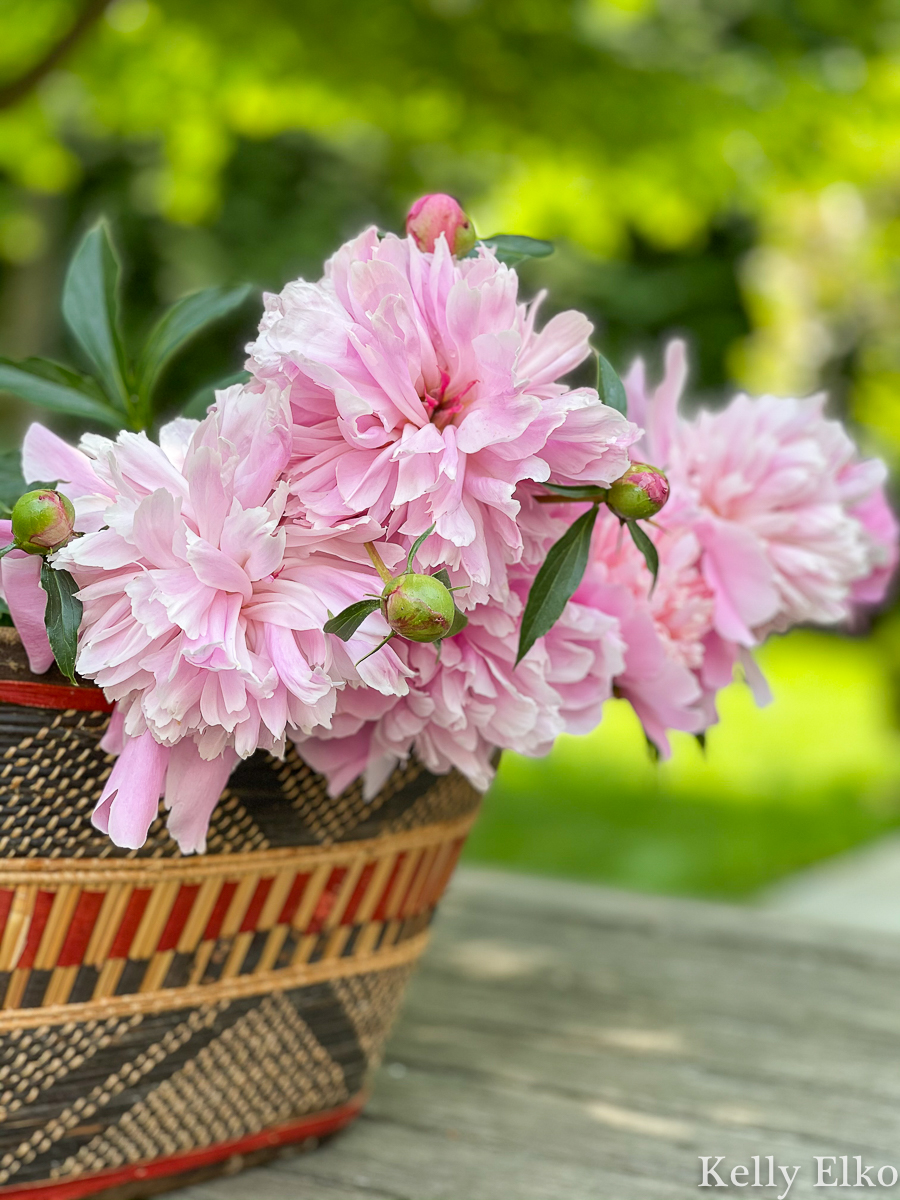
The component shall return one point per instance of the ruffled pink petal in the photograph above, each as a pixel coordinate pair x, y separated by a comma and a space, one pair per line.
130, 800
48, 458
193, 788
20, 575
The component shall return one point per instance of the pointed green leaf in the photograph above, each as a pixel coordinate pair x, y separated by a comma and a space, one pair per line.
646, 547
201, 400
415, 546
91, 310
460, 621
556, 581
12, 482
5, 619
40, 383
581, 491
179, 324
62, 617
610, 386
346, 623
511, 248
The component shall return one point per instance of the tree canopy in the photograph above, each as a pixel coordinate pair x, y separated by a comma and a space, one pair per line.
731, 167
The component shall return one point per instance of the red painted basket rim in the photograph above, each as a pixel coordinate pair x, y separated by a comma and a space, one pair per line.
317, 1125
53, 695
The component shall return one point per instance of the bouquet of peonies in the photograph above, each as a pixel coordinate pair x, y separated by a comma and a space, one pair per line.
403, 535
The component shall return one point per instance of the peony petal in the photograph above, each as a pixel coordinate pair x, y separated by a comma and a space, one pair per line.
193, 788
20, 575
129, 802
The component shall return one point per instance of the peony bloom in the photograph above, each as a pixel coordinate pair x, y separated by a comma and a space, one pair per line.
472, 699
421, 394
203, 612
792, 526
663, 630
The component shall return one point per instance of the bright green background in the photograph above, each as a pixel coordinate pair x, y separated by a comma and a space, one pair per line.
729, 169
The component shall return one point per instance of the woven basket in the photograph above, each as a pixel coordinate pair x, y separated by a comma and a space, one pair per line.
166, 1017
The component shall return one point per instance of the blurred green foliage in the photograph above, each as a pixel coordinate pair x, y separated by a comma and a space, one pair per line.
729, 169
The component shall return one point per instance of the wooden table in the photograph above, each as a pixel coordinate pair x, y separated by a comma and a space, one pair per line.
563, 1042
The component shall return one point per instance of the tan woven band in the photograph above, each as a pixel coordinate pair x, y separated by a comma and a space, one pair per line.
262, 983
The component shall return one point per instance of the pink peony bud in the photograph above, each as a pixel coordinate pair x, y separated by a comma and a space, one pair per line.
42, 521
418, 607
640, 493
438, 214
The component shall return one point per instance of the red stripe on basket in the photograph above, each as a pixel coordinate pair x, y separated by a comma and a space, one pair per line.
254, 908
181, 910
317, 1125
295, 895
381, 907
137, 902
217, 916
80, 928
326, 900
39, 914
52, 695
362, 886
6, 899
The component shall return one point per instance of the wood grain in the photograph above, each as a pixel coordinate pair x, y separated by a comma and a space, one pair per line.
563, 1042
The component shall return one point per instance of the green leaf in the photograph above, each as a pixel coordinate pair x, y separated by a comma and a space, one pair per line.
415, 546
346, 623
5, 619
460, 620
179, 324
201, 400
581, 491
556, 581
610, 386
41, 382
91, 310
511, 248
62, 617
646, 547
12, 481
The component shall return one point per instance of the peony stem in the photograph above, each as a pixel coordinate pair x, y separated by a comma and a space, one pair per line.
378, 563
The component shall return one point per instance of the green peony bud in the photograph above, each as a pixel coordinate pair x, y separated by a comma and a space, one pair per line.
640, 493
42, 521
418, 607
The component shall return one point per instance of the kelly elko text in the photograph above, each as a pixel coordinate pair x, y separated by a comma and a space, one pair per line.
829, 1170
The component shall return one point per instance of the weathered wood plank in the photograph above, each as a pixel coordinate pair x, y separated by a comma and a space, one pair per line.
571, 1043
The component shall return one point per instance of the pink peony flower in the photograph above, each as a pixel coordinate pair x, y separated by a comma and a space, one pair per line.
464, 704
421, 394
663, 629
203, 612
793, 527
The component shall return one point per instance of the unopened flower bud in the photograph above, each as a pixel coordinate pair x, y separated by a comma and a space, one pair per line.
418, 607
640, 493
438, 214
42, 521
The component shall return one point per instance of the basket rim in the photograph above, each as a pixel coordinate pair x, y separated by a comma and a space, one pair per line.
19, 685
